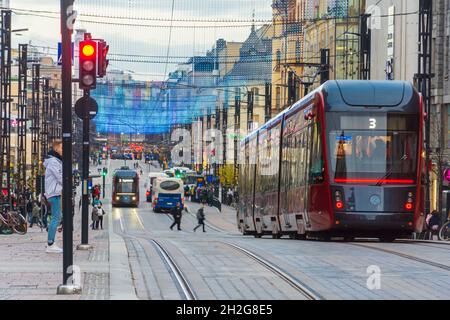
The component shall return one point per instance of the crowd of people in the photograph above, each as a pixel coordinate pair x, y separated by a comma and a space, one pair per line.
203, 194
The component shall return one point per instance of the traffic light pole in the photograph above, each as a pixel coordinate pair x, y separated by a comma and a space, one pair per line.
69, 285
85, 177
103, 189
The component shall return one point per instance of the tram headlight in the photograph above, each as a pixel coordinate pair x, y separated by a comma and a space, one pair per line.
134, 198
117, 198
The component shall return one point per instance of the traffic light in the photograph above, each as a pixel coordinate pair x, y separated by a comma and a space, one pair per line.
88, 64
104, 172
178, 174
103, 49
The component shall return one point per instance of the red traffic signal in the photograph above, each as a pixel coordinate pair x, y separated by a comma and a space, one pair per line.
103, 62
88, 64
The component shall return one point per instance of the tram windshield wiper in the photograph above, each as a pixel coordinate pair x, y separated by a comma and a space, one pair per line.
389, 173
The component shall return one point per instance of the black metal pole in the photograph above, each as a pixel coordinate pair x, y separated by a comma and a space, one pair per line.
103, 189
67, 14
85, 178
325, 65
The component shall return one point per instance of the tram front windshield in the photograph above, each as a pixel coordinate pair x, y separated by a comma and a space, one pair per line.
126, 186
374, 148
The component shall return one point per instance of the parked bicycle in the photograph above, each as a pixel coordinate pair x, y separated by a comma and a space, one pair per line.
444, 232
13, 221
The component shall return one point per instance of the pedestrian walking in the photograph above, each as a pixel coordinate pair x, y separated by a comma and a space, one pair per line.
94, 217
176, 213
100, 214
36, 211
433, 224
95, 193
29, 209
204, 195
198, 194
210, 196
96, 201
44, 210
201, 218
230, 196
53, 191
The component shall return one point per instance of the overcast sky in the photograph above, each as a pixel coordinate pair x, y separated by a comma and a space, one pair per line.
188, 37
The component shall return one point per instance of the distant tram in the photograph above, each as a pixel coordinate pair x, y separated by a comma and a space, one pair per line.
345, 161
125, 190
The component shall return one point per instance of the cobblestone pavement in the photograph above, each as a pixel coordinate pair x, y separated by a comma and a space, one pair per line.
28, 272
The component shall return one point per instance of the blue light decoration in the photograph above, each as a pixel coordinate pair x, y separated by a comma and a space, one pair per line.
130, 107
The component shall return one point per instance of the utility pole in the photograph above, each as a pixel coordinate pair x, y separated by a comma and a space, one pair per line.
268, 102
423, 80
5, 105
325, 65
22, 124
35, 128
44, 132
250, 103
68, 16
85, 177
365, 48
237, 125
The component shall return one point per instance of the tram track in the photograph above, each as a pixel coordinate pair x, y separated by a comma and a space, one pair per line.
403, 255
442, 246
286, 277
183, 283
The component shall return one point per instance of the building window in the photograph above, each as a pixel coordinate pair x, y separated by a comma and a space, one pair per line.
297, 51
278, 57
255, 97
278, 99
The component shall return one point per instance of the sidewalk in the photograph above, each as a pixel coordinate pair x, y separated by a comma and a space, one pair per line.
27, 272
224, 220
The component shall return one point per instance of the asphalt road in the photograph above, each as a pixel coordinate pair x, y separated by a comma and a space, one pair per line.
222, 264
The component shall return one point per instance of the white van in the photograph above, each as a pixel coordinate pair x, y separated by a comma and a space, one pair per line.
149, 182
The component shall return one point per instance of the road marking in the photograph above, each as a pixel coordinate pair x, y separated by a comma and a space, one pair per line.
122, 229
139, 218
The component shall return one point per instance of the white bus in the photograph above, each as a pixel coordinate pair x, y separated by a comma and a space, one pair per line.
166, 193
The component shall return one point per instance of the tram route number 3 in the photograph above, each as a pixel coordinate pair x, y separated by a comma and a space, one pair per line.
372, 123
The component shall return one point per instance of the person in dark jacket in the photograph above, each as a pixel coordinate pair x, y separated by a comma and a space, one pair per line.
36, 210
29, 206
201, 218
210, 196
176, 213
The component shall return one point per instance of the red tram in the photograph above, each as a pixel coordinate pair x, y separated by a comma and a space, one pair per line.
344, 161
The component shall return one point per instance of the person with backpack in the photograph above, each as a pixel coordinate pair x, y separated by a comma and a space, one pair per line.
201, 218
100, 213
94, 217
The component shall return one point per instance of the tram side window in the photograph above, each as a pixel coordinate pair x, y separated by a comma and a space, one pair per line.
317, 164
285, 164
